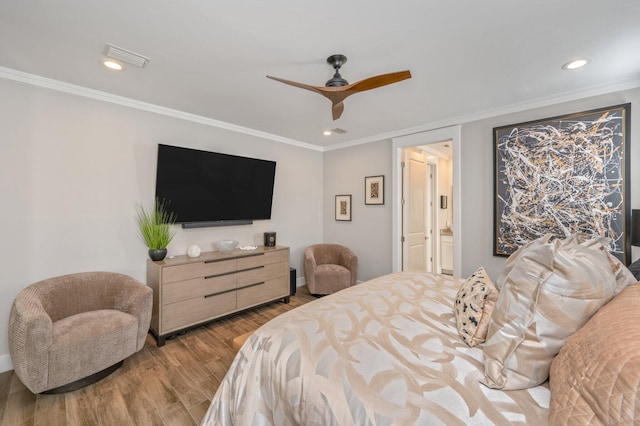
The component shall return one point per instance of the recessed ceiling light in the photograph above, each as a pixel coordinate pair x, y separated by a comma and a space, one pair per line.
576, 63
327, 133
112, 65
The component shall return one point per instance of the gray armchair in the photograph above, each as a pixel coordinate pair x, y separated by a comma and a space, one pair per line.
70, 331
329, 268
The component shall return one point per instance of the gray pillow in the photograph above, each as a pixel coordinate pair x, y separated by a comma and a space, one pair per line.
635, 269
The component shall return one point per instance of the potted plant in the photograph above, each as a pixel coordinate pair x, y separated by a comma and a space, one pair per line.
155, 227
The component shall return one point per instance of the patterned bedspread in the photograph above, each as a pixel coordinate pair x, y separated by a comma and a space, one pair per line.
380, 353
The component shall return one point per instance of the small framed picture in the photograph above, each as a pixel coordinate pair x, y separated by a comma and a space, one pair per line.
374, 190
343, 207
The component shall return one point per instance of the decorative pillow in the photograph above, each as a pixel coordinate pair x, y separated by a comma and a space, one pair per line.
473, 306
551, 289
595, 379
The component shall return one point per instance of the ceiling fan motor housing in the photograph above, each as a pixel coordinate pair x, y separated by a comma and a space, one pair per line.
336, 61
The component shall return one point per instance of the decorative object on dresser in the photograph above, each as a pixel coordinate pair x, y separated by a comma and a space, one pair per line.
189, 292
155, 226
269, 239
194, 250
225, 246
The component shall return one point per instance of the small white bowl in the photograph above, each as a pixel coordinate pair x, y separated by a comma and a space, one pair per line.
225, 246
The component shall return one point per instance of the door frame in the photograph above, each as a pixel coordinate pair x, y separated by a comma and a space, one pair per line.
453, 134
431, 220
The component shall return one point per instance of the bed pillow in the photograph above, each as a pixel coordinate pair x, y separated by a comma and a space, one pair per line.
624, 277
513, 259
596, 376
474, 303
634, 269
551, 290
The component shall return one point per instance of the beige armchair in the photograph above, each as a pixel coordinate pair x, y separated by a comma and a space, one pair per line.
70, 331
329, 268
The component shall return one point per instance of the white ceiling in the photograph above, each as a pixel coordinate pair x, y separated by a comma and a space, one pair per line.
210, 58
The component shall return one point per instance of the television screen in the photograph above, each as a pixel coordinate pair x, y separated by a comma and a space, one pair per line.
202, 186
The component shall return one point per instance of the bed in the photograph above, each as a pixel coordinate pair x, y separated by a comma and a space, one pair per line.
383, 352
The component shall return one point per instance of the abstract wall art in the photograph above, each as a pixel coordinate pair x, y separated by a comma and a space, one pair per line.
343, 208
563, 175
374, 190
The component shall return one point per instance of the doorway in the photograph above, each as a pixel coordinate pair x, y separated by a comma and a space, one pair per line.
452, 199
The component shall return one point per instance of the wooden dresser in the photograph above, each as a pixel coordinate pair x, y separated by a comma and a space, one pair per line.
188, 292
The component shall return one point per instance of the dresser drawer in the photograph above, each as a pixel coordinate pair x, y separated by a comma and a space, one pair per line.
257, 294
197, 270
197, 287
263, 259
192, 311
261, 274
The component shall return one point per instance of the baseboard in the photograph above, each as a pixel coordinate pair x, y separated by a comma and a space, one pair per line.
5, 363
300, 281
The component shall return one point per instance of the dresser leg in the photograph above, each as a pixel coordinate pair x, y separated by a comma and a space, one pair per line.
286, 299
161, 340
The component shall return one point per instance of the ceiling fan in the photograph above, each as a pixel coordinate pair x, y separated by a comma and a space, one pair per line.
337, 88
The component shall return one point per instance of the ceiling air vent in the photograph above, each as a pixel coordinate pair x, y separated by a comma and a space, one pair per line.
125, 55
339, 131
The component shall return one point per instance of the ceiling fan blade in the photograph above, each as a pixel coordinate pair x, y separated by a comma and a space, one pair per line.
337, 109
378, 81
296, 84
337, 94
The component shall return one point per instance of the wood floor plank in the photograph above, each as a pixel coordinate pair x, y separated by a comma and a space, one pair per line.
197, 412
50, 410
111, 407
5, 385
170, 385
176, 414
81, 407
140, 407
158, 384
21, 408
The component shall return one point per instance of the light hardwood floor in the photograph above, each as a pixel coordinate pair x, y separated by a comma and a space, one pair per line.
171, 385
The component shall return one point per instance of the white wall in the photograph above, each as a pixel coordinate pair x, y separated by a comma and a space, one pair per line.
73, 168
477, 173
369, 232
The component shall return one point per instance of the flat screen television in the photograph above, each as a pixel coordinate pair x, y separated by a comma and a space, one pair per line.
206, 188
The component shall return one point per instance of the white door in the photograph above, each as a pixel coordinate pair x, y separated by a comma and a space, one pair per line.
414, 212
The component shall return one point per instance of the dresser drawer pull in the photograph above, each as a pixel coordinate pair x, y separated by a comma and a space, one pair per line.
251, 269
219, 275
251, 255
220, 292
214, 260
251, 285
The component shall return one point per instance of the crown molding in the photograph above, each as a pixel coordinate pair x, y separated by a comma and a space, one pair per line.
496, 112
52, 84
48, 83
